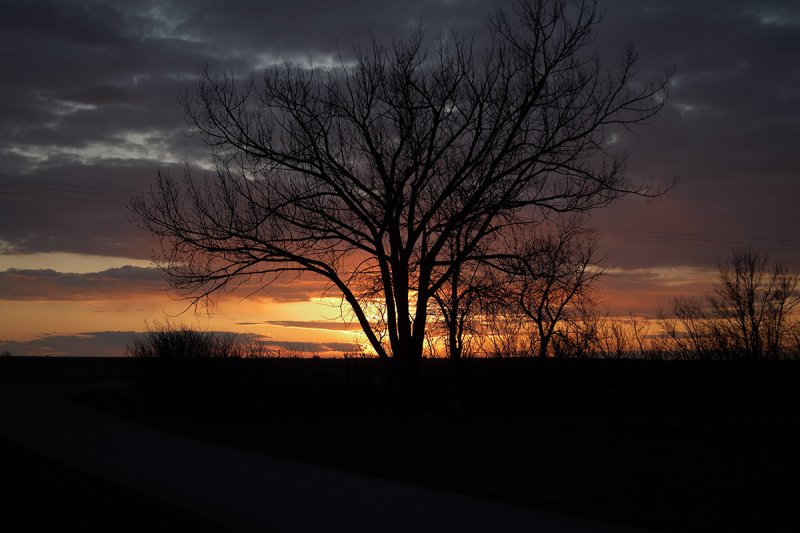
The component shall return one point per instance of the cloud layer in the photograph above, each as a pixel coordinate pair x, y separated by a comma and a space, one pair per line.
90, 112
135, 282
115, 283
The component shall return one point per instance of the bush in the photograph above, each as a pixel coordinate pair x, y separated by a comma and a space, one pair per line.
167, 342
193, 369
198, 371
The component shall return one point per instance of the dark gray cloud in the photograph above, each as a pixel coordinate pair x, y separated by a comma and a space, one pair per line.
68, 206
727, 135
89, 344
114, 283
134, 282
90, 101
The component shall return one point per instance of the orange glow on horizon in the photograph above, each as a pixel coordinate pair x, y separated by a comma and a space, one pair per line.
315, 321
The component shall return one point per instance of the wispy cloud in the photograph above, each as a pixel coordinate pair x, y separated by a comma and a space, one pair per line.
305, 324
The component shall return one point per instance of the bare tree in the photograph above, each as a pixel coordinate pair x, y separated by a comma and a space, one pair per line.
369, 169
751, 313
753, 303
551, 276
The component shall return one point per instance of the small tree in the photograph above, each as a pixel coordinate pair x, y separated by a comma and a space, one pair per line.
754, 303
551, 277
750, 314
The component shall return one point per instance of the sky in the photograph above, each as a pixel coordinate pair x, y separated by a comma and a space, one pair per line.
90, 115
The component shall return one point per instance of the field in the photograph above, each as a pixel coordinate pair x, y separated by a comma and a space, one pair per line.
671, 445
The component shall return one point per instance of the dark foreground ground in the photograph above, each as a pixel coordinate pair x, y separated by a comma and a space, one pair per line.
40, 495
691, 446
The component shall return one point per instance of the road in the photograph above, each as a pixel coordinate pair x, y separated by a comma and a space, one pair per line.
242, 490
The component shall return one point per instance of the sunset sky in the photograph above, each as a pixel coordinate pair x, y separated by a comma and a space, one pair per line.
89, 111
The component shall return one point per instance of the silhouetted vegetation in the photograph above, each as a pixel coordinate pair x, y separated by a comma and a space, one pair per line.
751, 314
546, 308
167, 342
205, 370
390, 177
185, 366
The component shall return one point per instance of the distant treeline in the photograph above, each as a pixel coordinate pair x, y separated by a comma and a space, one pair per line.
751, 313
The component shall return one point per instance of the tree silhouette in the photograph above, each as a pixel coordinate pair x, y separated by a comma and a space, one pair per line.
551, 278
750, 314
367, 170
754, 303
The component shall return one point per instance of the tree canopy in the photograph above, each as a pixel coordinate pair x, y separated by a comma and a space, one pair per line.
366, 173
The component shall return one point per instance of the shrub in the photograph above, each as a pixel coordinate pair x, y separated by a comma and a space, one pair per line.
198, 370
167, 342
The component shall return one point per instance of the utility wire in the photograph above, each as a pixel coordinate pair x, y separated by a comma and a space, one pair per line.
766, 244
30, 195
94, 187
614, 235
60, 189
724, 246
695, 236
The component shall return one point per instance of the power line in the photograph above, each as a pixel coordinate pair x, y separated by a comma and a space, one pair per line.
697, 236
75, 192
723, 246
94, 187
615, 235
689, 243
30, 195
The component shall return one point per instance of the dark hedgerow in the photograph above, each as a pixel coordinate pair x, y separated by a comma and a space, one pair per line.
167, 342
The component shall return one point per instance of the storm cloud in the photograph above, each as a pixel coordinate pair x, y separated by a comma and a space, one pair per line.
90, 115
